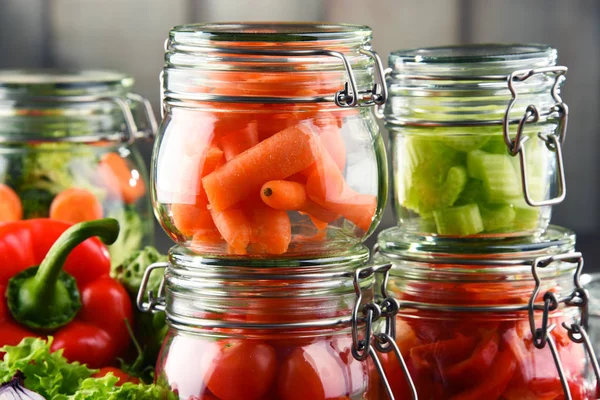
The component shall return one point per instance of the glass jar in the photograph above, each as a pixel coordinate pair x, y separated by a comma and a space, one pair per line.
268, 145
264, 330
486, 323
476, 134
66, 151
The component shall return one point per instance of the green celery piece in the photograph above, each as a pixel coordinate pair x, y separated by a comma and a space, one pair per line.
526, 218
462, 220
465, 142
500, 180
496, 218
472, 193
538, 168
495, 145
435, 195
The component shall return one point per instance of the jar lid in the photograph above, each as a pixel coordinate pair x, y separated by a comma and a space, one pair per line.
394, 243
57, 82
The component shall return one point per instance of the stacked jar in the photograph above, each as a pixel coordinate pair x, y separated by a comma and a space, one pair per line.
268, 173
66, 151
485, 293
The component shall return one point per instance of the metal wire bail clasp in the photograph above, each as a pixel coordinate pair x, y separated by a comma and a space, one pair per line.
155, 303
385, 341
361, 347
532, 114
542, 336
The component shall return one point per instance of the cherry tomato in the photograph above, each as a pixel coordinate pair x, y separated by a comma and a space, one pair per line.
118, 373
312, 372
242, 369
87, 344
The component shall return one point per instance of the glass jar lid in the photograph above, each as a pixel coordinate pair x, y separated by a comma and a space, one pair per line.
52, 105
394, 243
274, 62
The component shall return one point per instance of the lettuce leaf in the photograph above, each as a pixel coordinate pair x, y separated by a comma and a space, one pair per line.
52, 376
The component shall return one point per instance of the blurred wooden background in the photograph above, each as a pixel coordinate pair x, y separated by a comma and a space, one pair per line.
128, 35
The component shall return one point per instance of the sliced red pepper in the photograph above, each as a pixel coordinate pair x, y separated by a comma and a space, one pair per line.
495, 382
443, 352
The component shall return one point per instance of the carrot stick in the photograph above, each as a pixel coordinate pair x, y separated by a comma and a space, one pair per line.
192, 219
277, 157
234, 227
325, 181
121, 180
356, 207
291, 196
75, 205
235, 143
271, 229
11, 208
213, 159
331, 137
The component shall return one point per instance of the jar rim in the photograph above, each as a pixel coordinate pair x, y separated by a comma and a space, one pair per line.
394, 243
472, 53
269, 31
63, 82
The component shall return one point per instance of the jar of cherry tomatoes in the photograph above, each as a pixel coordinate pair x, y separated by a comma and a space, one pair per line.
505, 321
476, 134
67, 153
265, 329
269, 145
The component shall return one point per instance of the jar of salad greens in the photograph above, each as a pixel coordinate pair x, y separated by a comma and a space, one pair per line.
505, 321
66, 151
267, 329
269, 146
476, 134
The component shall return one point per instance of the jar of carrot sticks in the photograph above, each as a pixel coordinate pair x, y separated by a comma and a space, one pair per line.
66, 151
268, 145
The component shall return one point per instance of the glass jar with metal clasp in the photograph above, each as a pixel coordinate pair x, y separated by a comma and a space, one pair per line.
67, 152
269, 145
504, 321
267, 329
476, 134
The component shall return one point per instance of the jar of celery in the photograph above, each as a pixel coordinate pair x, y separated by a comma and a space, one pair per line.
476, 134
67, 153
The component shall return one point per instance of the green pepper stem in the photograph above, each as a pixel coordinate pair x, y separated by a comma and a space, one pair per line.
106, 229
46, 297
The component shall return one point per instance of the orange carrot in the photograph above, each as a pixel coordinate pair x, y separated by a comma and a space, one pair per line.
355, 207
331, 137
120, 179
11, 208
192, 219
213, 158
277, 157
271, 229
234, 227
291, 196
325, 181
235, 143
76, 205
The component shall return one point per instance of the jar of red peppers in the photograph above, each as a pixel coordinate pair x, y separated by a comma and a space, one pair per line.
276, 330
67, 153
268, 145
504, 321
476, 134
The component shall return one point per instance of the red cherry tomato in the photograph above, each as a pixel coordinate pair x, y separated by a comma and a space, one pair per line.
242, 370
87, 344
312, 372
118, 373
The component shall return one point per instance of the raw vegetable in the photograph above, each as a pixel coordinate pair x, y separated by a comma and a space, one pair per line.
15, 389
36, 203
447, 171
277, 157
132, 232
270, 229
76, 205
120, 180
69, 294
49, 373
149, 328
11, 208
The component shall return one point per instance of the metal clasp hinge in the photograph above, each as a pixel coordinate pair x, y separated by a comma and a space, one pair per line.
155, 303
532, 115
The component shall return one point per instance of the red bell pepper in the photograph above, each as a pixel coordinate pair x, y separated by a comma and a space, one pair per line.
70, 295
